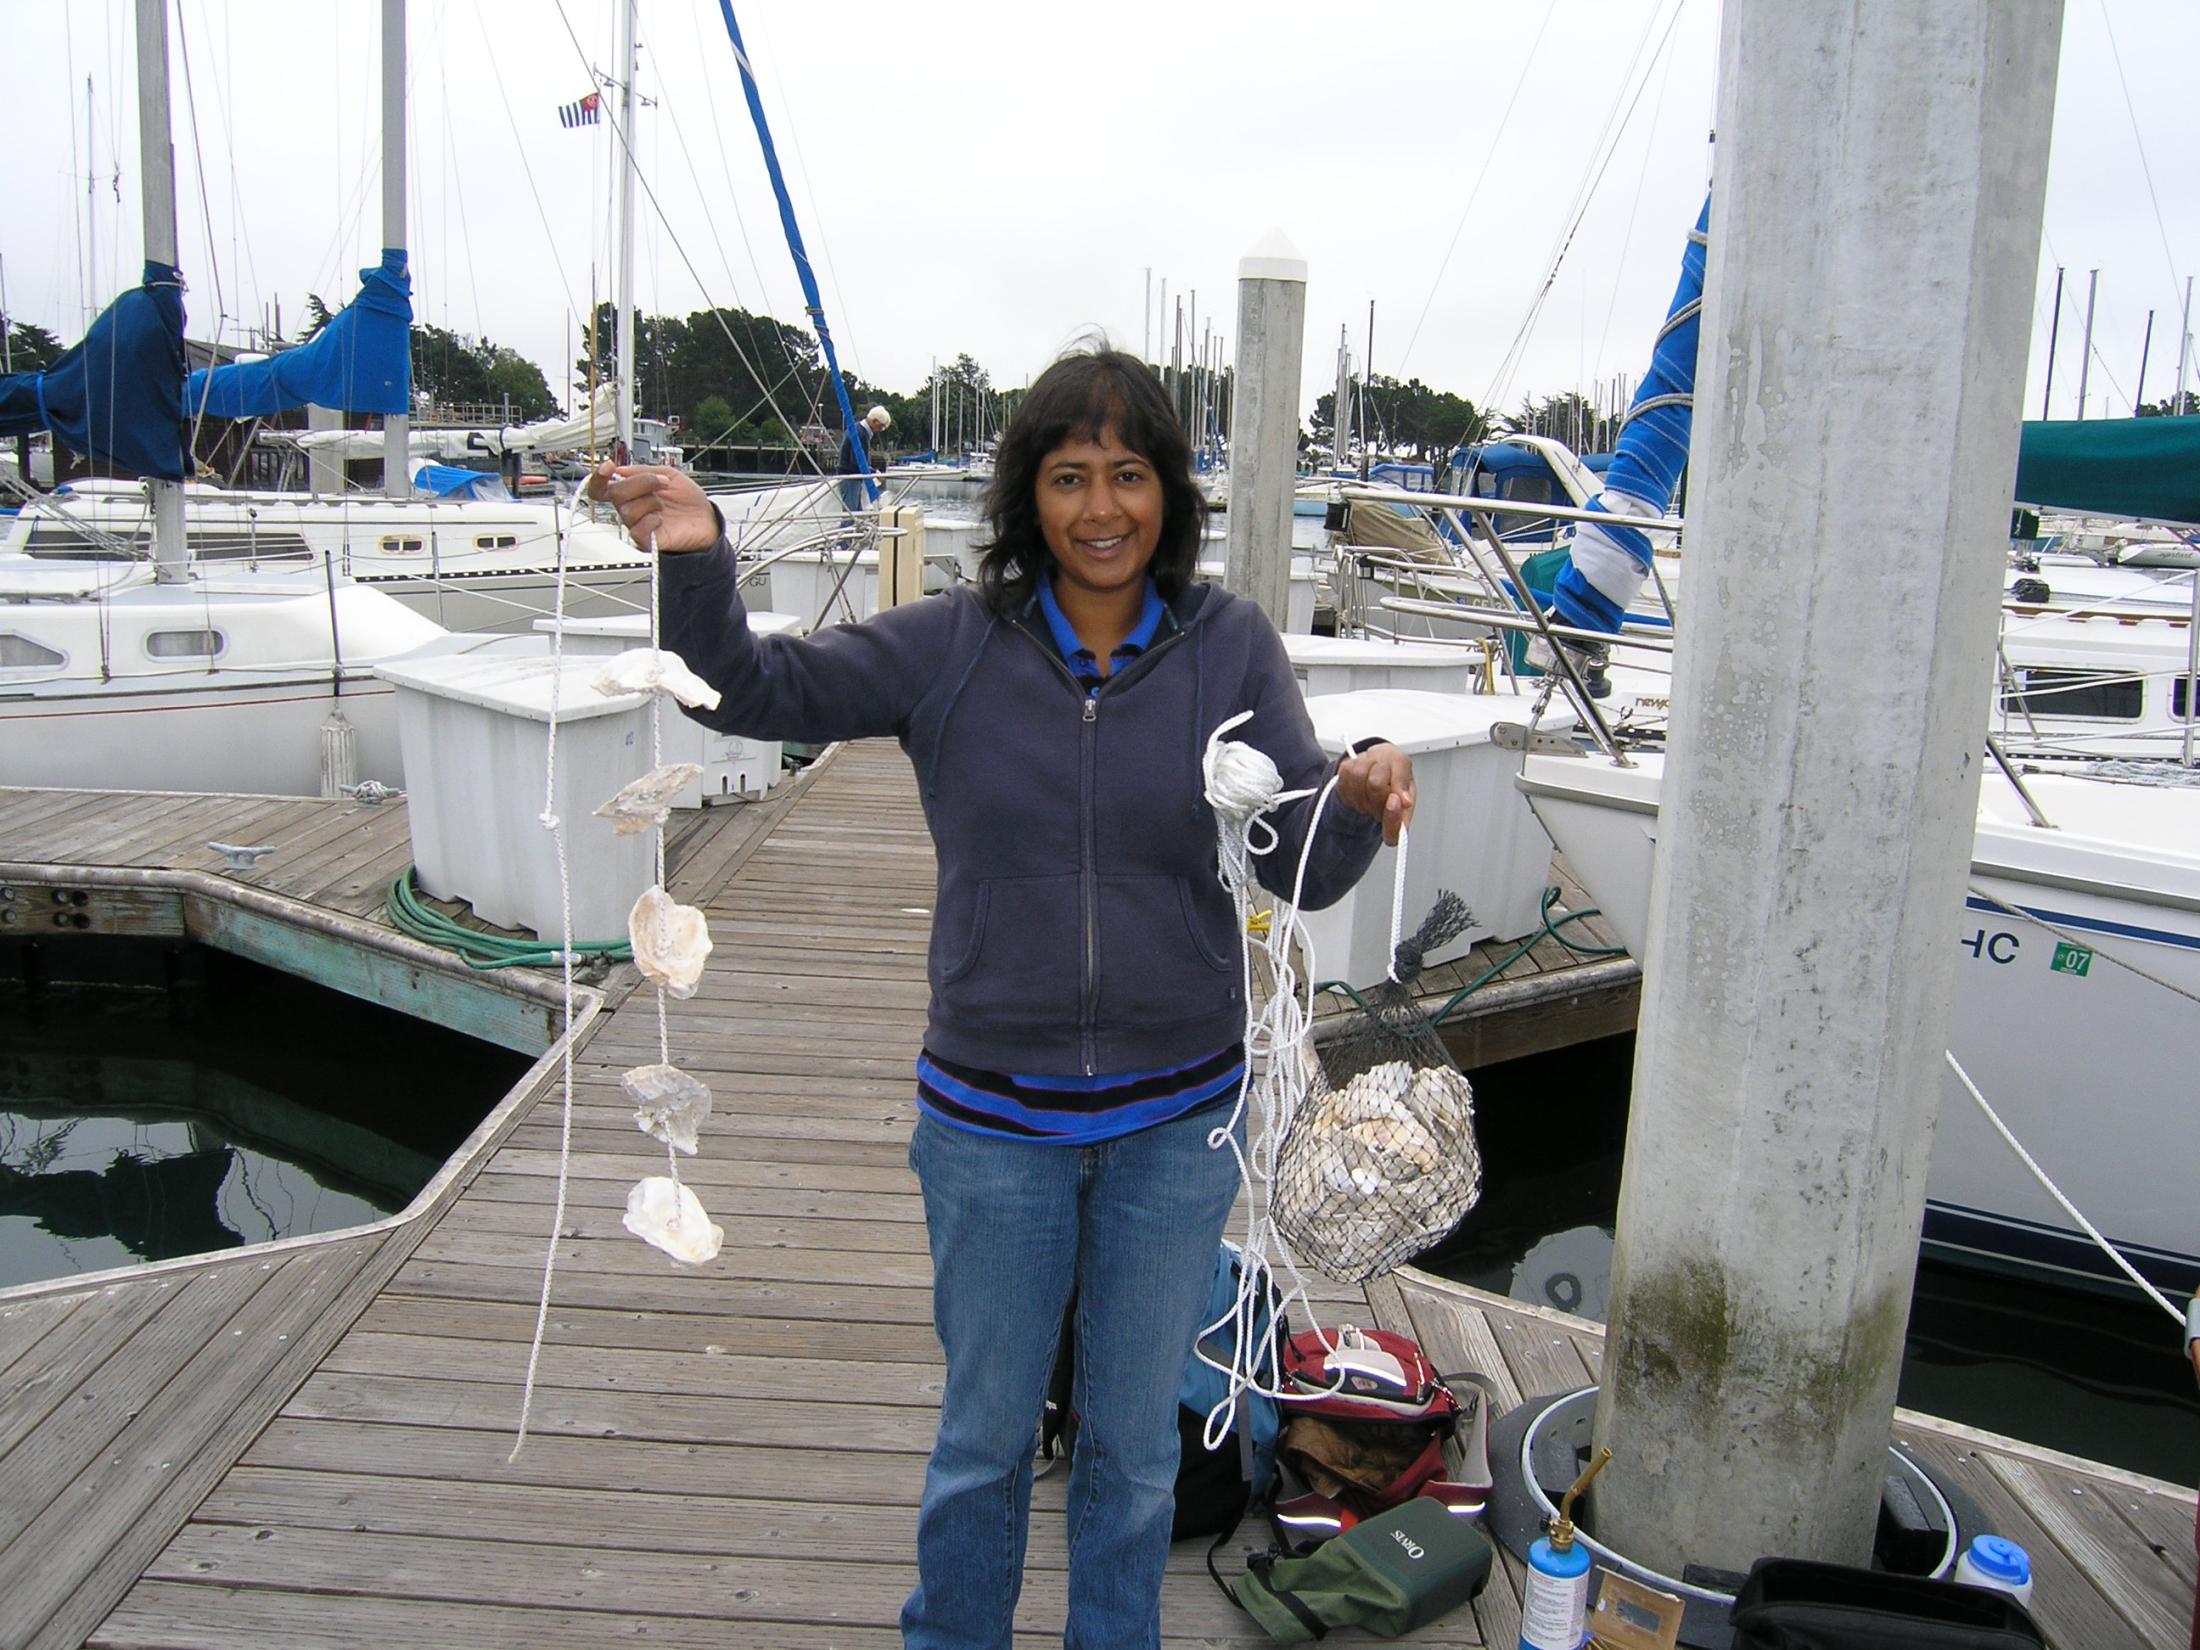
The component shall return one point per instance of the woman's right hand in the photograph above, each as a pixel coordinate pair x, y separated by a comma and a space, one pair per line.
657, 500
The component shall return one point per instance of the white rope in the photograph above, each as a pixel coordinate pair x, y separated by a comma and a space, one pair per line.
1243, 786
2056, 1192
1398, 908
556, 827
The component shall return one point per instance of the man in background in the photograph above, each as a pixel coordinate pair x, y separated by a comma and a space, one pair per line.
855, 457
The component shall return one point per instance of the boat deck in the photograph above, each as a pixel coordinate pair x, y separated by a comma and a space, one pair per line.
313, 1446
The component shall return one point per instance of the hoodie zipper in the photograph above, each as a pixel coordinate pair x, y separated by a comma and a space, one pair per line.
1088, 881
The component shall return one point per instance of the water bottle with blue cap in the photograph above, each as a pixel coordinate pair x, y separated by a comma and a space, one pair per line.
1994, 1561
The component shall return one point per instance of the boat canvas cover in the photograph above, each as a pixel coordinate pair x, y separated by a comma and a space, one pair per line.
116, 397
360, 361
2143, 467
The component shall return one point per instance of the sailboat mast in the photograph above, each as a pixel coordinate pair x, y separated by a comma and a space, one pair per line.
157, 169
803, 272
625, 295
396, 427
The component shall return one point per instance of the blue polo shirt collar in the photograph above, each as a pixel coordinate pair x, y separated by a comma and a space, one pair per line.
1151, 614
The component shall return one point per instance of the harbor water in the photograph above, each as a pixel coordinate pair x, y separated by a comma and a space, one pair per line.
2094, 1373
160, 1100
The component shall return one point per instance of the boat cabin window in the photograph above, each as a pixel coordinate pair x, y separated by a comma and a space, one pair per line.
21, 653
2092, 694
73, 544
2179, 690
184, 644
495, 541
244, 544
394, 544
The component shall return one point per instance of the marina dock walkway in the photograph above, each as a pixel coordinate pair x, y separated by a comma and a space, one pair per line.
311, 1447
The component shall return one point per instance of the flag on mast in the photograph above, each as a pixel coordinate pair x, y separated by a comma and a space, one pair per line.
585, 112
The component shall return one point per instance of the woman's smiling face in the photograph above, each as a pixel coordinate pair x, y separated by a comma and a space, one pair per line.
1100, 512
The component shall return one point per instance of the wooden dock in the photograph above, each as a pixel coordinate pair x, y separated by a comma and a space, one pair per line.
310, 1447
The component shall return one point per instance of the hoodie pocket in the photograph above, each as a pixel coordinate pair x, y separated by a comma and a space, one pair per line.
1014, 957
1162, 959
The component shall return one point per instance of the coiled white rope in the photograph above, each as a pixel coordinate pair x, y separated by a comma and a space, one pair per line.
2056, 1192
1243, 786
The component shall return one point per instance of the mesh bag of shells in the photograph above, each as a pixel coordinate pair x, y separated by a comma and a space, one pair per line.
1380, 1161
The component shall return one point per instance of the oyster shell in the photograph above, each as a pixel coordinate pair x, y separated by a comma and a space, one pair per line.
665, 1214
653, 670
647, 800
671, 941
669, 1105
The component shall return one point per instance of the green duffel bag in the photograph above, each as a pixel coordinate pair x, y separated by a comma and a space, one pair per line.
1387, 1575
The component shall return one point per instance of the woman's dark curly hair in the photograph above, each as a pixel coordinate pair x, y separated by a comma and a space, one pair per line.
1082, 397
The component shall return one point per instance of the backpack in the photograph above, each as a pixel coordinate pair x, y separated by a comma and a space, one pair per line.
1213, 1487
1365, 1424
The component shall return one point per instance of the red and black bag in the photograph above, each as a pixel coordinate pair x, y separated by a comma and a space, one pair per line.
1366, 1418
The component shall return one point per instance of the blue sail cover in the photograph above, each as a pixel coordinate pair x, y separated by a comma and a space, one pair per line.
360, 362
117, 396
1607, 566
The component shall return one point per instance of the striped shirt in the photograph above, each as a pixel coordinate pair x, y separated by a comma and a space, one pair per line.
1079, 1111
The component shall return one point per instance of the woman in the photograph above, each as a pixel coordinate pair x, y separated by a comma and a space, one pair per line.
1087, 1012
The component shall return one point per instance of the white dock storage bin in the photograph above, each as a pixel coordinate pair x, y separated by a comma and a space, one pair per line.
473, 733
1472, 830
734, 768
626, 631
802, 582
1352, 664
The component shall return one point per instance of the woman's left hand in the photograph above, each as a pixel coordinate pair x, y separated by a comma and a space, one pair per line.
1379, 783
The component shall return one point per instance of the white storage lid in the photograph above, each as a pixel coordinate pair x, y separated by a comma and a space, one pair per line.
1415, 721
514, 686
1361, 650
634, 627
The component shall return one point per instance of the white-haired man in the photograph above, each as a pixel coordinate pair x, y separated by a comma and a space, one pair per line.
855, 456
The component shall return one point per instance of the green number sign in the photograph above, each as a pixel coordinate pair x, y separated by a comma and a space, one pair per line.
2070, 959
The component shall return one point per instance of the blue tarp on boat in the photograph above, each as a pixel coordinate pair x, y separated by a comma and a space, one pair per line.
455, 481
116, 397
360, 362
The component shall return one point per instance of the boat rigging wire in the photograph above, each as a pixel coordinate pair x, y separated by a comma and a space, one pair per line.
2137, 142
572, 305
680, 247
1473, 193
1608, 144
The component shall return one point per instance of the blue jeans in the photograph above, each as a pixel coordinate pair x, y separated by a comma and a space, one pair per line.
1132, 1224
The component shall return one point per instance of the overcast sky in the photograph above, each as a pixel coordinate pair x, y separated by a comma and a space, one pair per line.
999, 177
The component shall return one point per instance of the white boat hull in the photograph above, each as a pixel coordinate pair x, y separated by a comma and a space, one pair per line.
2087, 1060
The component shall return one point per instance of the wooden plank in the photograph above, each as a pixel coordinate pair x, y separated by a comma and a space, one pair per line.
727, 1371
760, 1589
1540, 1356
2068, 1605
161, 1615
79, 1392
25, 1324
450, 1456
44, 1570
859, 1237
610, 1194
2085, 1524
706, 1332
758, 1297
633, 1259
675, 1418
